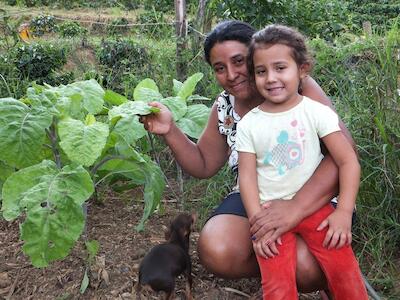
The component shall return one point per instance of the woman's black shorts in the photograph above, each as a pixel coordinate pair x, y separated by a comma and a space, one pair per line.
233, 205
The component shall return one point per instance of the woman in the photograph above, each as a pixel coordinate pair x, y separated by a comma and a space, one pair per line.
224, 245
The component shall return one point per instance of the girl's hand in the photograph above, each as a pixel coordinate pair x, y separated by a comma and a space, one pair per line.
158, 123
339, 232
278, 216
266, 248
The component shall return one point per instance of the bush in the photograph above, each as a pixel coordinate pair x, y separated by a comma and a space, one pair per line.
376, 13
71, 29
42, 24
122, 59
38, 60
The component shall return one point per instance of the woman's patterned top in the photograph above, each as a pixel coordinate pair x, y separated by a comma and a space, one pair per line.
227, 122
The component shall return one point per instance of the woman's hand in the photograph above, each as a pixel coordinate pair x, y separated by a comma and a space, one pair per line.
339, 232
278, 216
158, 123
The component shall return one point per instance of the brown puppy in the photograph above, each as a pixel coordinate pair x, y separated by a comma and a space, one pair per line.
166, 261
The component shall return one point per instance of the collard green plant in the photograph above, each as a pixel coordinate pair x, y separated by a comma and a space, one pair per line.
58, 143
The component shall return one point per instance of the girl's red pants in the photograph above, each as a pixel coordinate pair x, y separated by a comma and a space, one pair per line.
339, 265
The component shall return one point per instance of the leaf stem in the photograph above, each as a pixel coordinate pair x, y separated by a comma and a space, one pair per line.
153, 149
103, 161
6, 84
53, 139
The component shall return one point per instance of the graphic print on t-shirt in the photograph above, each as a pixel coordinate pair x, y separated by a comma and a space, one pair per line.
288, 152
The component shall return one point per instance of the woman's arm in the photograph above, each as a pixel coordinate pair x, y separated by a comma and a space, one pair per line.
281, 216
201, 160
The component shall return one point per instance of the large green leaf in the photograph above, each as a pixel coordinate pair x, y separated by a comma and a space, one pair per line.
130, 108
92, 94
5, 171
46, 186
114, 98
130, 129
37, 96
129, 152
22, 132
176, 106
70, 107
87, 95
177, 86
127, 168
82, 143
140, 172
189, 85
49, 234
52, 199
20, 182
154, 188
147, 91
195, 120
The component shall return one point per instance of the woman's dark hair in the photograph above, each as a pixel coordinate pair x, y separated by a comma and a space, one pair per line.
279, 34
229, 30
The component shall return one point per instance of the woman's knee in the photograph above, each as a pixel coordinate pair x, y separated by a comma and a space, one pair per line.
309, 275
224, 247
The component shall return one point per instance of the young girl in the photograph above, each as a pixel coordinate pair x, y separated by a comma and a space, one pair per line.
278, 144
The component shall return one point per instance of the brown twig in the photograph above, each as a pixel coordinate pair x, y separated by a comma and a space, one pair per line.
12, 289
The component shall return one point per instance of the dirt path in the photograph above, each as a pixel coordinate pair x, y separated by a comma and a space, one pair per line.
115, 270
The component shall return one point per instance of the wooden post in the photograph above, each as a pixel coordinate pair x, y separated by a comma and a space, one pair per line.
181, 43
200, 24
181, 38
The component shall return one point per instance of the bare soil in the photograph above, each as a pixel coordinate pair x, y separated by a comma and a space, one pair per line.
114, 272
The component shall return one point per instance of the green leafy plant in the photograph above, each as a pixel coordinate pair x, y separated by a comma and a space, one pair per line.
70, 29
120, 60
92, 248
58, 143
42, 24
191, 119
38, 60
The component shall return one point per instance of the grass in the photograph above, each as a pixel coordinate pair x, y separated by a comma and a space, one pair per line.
362, 76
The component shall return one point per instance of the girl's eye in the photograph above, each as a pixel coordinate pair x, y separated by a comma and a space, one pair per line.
280, 68
260, 72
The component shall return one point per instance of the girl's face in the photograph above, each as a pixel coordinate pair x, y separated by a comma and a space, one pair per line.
228, 59
277, 76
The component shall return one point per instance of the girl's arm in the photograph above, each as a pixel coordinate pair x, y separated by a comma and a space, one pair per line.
201, 160
248, 183
251, 200
339, 222
282, 215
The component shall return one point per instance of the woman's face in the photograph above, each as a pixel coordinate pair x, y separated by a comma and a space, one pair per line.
228, 59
